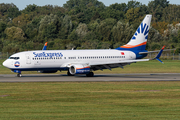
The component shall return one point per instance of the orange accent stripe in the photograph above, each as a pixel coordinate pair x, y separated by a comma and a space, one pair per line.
46, 43
132, 46
82, 68
163, 47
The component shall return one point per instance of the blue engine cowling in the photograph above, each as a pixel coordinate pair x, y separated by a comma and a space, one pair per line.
79, 69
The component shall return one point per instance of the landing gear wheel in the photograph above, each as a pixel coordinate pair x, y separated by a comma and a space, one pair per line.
90, 74
69, 74
19, 75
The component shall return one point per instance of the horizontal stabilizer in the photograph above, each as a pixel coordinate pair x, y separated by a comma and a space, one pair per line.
154, 51
159, 60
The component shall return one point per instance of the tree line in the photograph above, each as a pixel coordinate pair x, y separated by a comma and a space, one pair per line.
87, 24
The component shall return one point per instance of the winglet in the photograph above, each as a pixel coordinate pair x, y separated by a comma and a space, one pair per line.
45, 46
159, 55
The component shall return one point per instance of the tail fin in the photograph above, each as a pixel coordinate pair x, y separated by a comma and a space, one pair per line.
139, 39
45, 46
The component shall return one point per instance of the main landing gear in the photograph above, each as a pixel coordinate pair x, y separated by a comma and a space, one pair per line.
90, 74
19, 75
69, 74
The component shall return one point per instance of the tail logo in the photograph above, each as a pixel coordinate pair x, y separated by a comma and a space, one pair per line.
142, 31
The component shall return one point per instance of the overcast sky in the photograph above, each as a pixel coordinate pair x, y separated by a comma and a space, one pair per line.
21, 4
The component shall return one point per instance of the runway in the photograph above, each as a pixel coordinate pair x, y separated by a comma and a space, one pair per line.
96, 78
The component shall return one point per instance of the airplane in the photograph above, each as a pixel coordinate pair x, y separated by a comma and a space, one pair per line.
84, 61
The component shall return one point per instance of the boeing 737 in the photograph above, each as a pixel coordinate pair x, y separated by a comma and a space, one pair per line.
83, 61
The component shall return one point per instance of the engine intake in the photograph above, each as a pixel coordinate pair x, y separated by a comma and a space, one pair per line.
79, 69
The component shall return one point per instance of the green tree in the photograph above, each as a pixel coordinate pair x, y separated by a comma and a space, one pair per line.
66, 27
32, 28
103, 31
90, 44
106, 45
11, 47
22, 20
81, 30
82, 4
178, 37
154, 36
171, 13
132, 14
73, 35
155, 46
122, 32
133, 4
30, 8
156, 9
15, 33
113, 13
49, 26
2, 28
83, 10
10, 11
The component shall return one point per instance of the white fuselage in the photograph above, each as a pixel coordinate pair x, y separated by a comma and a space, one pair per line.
61, 59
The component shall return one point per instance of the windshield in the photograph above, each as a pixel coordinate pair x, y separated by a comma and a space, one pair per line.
15, 58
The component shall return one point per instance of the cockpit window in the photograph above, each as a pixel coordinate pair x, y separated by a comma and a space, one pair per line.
15, 58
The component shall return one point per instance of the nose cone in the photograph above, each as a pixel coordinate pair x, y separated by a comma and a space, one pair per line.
5, 63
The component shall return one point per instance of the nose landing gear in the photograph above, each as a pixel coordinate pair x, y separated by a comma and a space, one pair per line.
19, 73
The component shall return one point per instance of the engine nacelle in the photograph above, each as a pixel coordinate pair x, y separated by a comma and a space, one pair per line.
79, 69
48, 71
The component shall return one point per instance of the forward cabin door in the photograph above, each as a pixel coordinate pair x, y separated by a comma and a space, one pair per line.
28, 59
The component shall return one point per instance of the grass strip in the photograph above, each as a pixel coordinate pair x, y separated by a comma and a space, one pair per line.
90, 100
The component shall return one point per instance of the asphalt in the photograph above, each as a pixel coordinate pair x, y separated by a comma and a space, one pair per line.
96, 78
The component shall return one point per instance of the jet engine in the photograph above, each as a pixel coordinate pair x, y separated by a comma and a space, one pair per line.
79, 69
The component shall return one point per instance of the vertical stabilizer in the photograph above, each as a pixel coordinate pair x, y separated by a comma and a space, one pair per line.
45, 46
139, 39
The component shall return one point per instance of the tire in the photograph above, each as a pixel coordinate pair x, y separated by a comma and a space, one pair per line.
69, 74
90, 74
19, 75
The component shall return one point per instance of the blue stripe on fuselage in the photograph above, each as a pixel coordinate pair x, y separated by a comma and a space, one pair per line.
136, 50
38, 69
